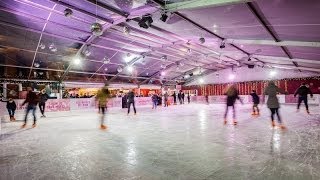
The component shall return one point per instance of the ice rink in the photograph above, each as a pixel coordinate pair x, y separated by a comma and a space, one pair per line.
180, 142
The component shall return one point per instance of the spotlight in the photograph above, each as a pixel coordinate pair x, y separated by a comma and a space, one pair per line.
126, 30
202, 40
147, 74
119, 69
42, 46
163, 66
52, 47
106, 60
164, 57
223, 44
191, 74
146, 21
232, 76
130, 68
68, 12
87, 52
164, 17
273, 73
76, 61
186, 76
106, 69
201, 80
189, 51
163, 73
36, 65
96, 29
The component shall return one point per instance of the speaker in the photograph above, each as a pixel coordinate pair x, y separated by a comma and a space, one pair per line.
250, 66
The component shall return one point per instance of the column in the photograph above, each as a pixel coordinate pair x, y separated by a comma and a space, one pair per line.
5, 90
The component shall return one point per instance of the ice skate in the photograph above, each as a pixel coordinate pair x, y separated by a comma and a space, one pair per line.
24, 125
103, 126
34, 125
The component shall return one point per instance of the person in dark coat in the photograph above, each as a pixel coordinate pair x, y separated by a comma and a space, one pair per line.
43, 97
11, 107
303, 92
32, 101
188, 97
182, 97
179, 97
174, 98
131, 101
154, 99
273, 103
256, 101
232, 95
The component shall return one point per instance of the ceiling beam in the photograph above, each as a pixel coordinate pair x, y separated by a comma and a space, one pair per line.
274, 43
275, 58
254, 8
195, 4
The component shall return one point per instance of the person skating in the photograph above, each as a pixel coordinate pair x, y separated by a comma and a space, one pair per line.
165, 101
154, 99
256, 101
31, 101
102, 97
207, 99
273, 103
42, 103
303, 92
232, 95
174, 98
11, 107
179, 97
130, 98
188, 97
182, 97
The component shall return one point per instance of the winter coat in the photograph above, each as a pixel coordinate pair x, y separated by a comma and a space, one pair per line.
272, 90
32, 99
154, 98
102, 98
303, 91
130, 97
43, 97
255, 98
232, 96
11, 105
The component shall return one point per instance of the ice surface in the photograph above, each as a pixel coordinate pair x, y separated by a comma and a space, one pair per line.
179, 142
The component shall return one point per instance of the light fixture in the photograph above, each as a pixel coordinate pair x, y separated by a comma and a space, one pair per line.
147, 74
119, 69
76, 61
126, 30
163, 66
128, 54
186, 76
105, 69
87, 52
106, 60
189, 50
36, 64
201, 80
146, 21
42, 46
96, 29
130, 68
163, 73
68, 12
273, 73
52, 47
223, 44
181, 64
164, 17
202, 40
164, 58
232, 76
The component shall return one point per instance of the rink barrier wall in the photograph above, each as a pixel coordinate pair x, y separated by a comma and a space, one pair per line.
57, 105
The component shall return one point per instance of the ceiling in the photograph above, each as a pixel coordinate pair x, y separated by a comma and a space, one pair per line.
273, 33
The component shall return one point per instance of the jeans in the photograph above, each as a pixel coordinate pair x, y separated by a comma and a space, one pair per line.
42, 106
305, 100
234, 112
33, 109
11, 112
103, 111
154, 104
134, 107
273, 112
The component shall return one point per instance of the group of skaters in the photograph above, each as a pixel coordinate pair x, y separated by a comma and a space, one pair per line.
232, 93
32, 100
181, 98
273, 104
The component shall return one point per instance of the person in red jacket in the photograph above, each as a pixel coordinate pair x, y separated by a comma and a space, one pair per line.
32, 101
